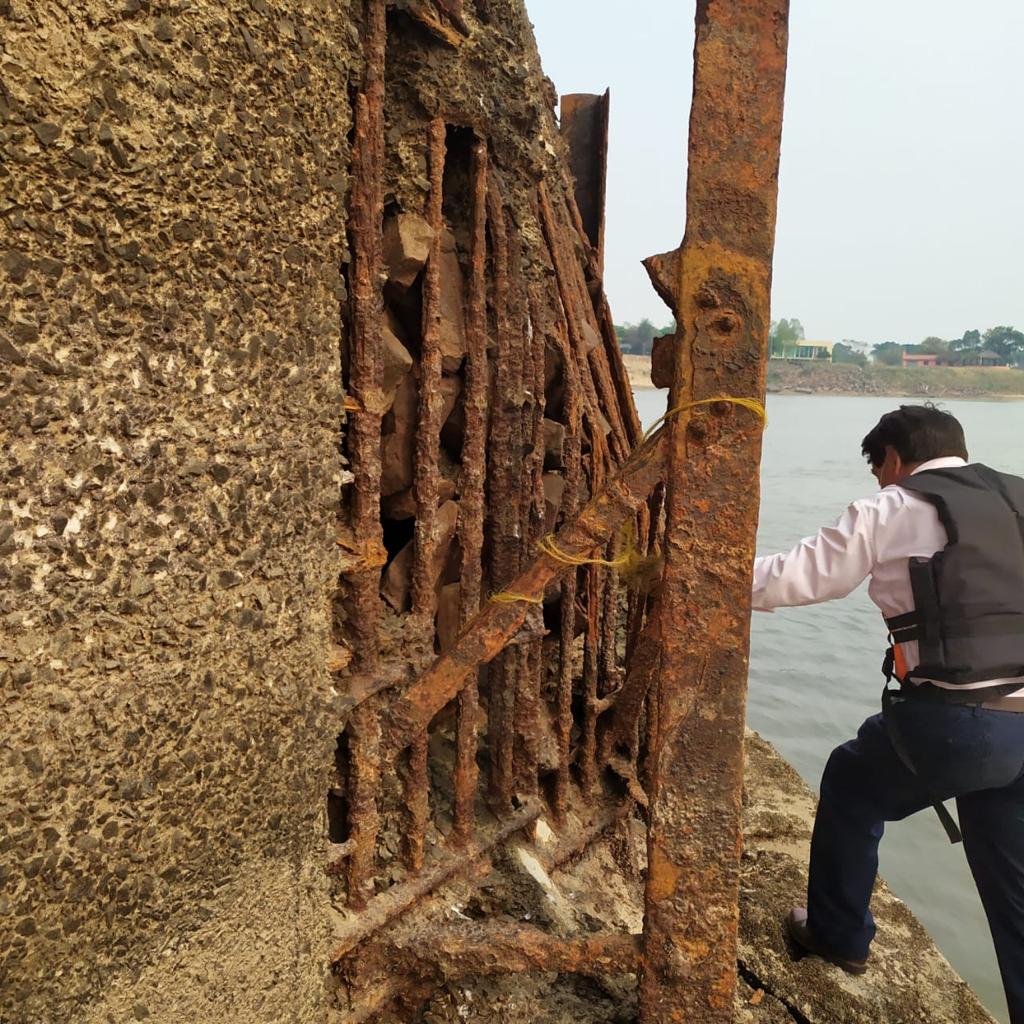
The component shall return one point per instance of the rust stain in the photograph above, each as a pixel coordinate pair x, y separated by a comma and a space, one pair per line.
718, 285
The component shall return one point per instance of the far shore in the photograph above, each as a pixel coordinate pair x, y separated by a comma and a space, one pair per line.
845, 380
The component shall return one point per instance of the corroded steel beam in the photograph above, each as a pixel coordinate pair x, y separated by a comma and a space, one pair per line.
584, 125
498, 621
721, 298
490, 948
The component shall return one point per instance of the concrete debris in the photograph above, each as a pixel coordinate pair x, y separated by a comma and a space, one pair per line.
406, 243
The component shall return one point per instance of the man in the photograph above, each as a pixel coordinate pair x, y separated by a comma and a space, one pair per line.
943, 545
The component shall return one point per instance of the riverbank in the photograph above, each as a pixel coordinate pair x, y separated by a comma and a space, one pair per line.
844, 379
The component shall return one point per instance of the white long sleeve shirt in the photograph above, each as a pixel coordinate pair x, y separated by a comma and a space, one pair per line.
874, 537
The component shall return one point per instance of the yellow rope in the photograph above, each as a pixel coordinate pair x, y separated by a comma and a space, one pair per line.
548, 546
510, 597
632, 564
748, 403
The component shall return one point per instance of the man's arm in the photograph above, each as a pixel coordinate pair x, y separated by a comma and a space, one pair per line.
828, 565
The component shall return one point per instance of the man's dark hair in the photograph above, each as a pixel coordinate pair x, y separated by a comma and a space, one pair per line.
918, 433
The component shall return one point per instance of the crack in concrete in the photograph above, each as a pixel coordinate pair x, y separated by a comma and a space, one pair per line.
756, 983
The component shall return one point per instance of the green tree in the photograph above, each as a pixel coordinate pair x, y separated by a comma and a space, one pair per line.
888, 353
931, 346
784, 335
1007, 341
844, 353
637, 339
645, 332
970, 340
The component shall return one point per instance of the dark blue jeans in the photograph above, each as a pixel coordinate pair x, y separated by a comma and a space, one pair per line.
958, 751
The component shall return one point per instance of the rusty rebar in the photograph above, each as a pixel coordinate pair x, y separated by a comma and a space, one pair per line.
489, 632
721, 298
503, 505
471, 494
425, 484
428, 430
365, 370
417, 802
579, 316
364, 819
572, 468
591, 640
484, 948
576, 344
394, 901
366, 211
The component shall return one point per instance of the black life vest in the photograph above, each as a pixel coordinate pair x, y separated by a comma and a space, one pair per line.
968, 617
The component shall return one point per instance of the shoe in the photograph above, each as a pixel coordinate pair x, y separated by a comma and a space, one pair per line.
797, 930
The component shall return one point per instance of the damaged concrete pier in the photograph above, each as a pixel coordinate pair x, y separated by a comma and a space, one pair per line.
360, 657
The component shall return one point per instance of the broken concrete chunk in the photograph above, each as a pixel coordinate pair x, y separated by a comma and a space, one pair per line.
554, 442
591, 336
662, 359
452, 334
406, 246
546, 901
554, 381
448, 616
397, 360
46, 132
396, 587
453, 432
396, 449
554, 488
451, 389
403, 504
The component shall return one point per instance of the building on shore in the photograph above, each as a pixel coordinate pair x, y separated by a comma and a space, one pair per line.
804, 350
970, 357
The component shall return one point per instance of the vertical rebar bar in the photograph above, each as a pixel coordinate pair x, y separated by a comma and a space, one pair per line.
365, 227
471, 494
425, 483
428, 429
573, 470
503, 506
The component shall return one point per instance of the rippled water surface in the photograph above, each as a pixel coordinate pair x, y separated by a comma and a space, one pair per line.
814, 672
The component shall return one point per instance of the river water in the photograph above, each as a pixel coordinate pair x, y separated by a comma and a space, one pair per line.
814, 672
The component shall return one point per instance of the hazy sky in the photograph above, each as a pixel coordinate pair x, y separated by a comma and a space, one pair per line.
901, 196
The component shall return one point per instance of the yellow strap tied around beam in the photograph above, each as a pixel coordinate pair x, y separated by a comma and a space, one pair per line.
632, 564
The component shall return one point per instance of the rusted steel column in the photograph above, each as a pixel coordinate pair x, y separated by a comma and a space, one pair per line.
365, 227
584, 126
721, 298
471, 493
